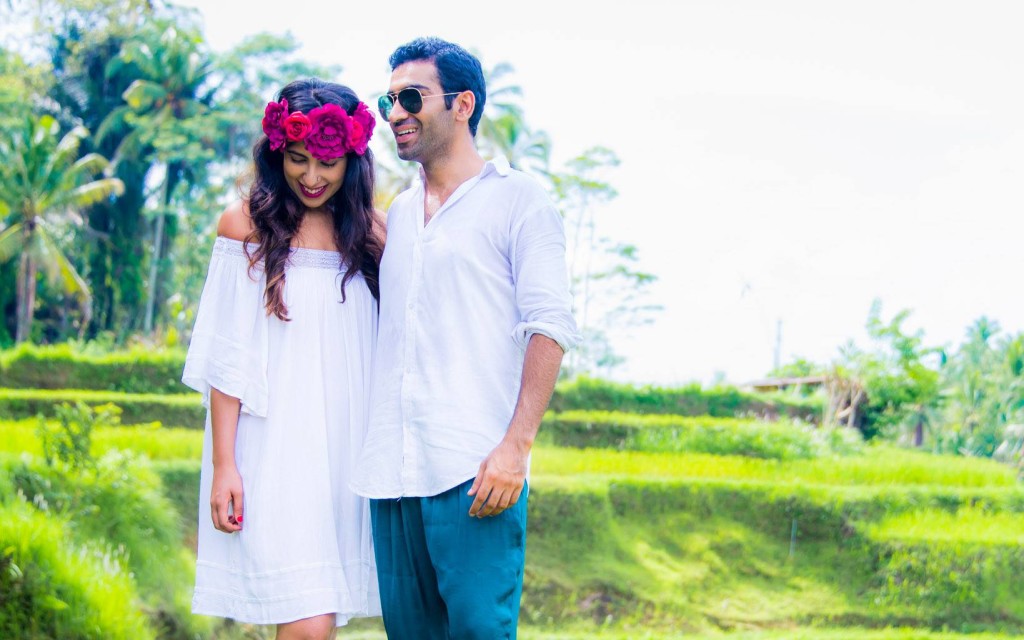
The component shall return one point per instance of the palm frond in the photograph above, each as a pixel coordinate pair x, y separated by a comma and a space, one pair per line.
114, 123
70, 143
89, 164
142, 94
11, 242
95, 191
59, 269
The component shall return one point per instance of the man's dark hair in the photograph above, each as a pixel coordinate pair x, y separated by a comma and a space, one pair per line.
457, 69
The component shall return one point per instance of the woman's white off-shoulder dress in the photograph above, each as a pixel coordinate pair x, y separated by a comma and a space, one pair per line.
305, 546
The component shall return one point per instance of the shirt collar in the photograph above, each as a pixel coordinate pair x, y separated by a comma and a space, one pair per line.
497, 164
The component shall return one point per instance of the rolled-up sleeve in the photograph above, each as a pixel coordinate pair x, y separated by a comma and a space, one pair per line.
541, 279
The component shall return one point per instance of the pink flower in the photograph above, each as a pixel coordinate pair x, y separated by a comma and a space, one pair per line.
297, 126
328, 131
328, 138
362, 128
273, 118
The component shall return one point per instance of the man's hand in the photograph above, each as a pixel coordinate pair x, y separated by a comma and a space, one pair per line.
500, 480
226, 492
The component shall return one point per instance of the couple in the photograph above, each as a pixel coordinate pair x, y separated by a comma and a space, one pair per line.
315, 408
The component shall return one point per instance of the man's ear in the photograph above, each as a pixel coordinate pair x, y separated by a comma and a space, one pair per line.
464, 105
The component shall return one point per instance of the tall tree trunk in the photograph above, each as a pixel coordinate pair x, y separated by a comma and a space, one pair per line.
154, 265
26, 295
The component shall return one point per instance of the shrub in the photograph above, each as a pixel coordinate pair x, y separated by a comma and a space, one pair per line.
63, 367
178, 410
180, 479
119, 503
676, 434
585, 393
51, 587
952, 583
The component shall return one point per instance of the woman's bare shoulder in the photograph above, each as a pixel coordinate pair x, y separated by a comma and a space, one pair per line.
235, 222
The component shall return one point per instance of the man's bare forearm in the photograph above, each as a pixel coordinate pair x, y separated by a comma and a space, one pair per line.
540, 372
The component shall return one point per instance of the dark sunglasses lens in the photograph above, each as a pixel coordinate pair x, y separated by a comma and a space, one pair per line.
411, 100
384, 104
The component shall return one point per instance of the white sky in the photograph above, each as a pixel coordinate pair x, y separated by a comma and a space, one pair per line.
780, 160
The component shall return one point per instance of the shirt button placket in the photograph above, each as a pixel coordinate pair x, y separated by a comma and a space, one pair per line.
409, 457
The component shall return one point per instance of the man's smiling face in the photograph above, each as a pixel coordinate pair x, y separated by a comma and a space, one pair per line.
427, 135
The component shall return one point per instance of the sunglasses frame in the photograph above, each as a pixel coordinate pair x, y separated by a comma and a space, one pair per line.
386, 103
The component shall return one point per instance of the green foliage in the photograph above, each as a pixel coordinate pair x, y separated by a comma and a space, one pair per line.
150, 440
64, 366
953, 582
719, 436
43, 185
975, 525
585, 393
184, 410
879, 467
900, 376
52, 587
119, 505
180, 480
608, 288
69, 441
984, 390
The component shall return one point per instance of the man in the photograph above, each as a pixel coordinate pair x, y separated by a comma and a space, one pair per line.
474, 320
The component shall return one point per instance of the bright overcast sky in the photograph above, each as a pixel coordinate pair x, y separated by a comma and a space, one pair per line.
780, 160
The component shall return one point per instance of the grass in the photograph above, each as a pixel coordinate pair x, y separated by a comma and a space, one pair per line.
612, 570
52, 587
966, 525
534, 633
782, 440
152, 441
879, 466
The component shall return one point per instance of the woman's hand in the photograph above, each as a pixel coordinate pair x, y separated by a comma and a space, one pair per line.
226, 494
226, 499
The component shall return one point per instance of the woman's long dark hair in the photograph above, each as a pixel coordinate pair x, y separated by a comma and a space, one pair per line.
277, 212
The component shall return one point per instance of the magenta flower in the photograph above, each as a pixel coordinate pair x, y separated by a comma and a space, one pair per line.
328, 131
328, 138
362, 128
273, 123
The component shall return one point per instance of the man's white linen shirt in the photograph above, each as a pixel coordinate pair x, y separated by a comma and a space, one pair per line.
461, 296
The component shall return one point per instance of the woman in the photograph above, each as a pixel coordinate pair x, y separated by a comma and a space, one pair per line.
281, 351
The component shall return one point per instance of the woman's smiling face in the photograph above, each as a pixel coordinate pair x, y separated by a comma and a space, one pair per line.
312, 180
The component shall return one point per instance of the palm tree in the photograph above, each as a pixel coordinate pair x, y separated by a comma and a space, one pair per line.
164, 110
503, 129
43, 182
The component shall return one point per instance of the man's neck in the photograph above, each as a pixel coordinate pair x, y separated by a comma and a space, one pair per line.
445, 174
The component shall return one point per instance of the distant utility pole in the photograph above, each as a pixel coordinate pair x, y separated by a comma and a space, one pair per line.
777, 359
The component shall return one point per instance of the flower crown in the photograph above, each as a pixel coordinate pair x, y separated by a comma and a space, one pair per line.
328, 131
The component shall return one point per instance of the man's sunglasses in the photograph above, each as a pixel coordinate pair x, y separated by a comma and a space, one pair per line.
410, 98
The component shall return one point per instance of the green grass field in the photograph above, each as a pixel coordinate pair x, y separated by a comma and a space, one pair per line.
878, 543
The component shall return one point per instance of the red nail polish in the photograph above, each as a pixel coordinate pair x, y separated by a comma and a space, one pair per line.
239, 519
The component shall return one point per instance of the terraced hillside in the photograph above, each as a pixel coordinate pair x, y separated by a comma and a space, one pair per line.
642, 525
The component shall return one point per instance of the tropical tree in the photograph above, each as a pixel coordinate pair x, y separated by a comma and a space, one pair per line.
984, 386
164, 112
503, 128
609, 290
44, 183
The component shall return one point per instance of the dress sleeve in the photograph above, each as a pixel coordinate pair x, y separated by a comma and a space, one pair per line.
228, 350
